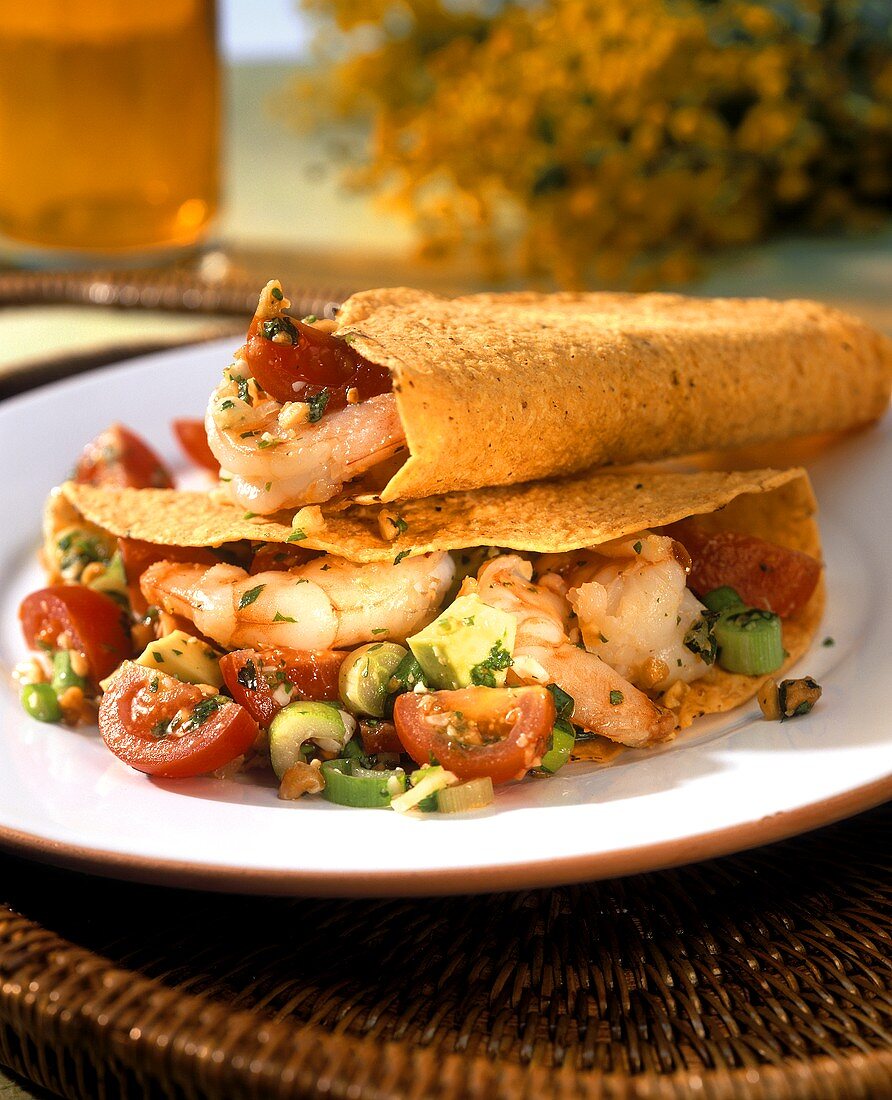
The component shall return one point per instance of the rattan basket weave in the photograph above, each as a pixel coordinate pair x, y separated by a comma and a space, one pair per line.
762, 975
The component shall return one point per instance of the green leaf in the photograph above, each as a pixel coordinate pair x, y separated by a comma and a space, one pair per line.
250, 596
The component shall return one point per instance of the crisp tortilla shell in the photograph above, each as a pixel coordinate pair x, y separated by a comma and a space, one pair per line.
498, 389
546, 517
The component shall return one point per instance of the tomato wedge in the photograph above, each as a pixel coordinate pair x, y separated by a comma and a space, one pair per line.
265, 680
86, 621
137, 556
311, 359
477, 731
377, 737
192, 437
118, 457
159, 725
763, 574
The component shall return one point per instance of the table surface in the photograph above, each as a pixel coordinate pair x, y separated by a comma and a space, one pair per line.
286, 212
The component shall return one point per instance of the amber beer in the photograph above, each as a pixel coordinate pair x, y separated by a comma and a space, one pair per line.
108, 125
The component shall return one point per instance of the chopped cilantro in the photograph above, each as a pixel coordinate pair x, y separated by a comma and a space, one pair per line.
154, 684
400, 524
158, 658
280, 618
380, 630
227, 404
563, 702
318, 402
637, 547
276, 294
402, 554
249, 515
603, 639
279, 326
297, 535
616, 697
827, 642
499, 658
250, 596
700, 638
310, 319
244, 394
203, 711
262, 444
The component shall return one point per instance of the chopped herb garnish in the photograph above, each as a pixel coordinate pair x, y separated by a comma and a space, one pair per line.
276, 294
827, 642
249, 515
637, 546
177, 652
244, 394
280, 326
603, 639
157, 657
248, 435
262, 444
563, 703
280, 618
616, 697
400, 524
310, 319
499, 659
203, 711
227, 404
402, 554
247, 675
318, 402
250, 596
380, 630
349, 337
297, 535
700, 639
153, 684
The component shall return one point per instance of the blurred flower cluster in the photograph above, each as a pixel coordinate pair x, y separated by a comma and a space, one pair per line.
615, 140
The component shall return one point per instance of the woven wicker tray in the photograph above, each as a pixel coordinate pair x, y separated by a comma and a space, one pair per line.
762, 975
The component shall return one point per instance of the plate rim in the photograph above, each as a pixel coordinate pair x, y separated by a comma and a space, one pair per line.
539, 874
196, 874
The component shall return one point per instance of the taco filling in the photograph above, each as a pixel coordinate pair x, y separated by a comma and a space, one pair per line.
416, 659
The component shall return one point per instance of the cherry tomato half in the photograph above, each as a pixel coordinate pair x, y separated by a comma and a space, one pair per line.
763, 574
312, 359
96, 626
119, 458
192, 437
157, 724
477, 731
265, 680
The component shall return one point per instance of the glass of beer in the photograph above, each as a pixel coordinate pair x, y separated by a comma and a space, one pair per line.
109, 129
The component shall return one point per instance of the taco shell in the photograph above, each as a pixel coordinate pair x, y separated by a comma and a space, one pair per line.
499, 389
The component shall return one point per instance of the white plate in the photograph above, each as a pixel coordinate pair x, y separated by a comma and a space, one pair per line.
731, 782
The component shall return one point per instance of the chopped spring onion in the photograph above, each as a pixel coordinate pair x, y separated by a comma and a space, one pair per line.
563, 738
425, 782
473, 795
304, 721
347, 784
723, 599
365, 676
64, 676
750, 641
41, 702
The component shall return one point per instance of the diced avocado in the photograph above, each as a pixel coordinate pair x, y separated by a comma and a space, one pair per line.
189, 659
469, 643
113, 580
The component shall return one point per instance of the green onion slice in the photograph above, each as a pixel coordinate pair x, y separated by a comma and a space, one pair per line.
563, 738
750, 641
473, 795
349, 785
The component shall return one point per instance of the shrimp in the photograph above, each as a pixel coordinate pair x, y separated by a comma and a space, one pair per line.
634, 607
271, 454
327, 603
604, 701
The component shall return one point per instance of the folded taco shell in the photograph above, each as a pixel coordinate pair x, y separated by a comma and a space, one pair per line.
545, 517
496, 389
